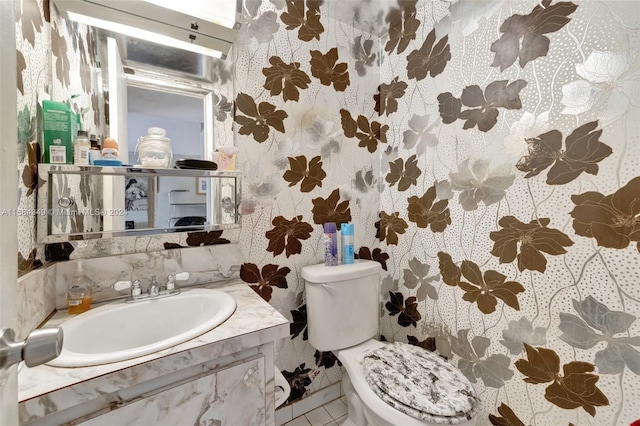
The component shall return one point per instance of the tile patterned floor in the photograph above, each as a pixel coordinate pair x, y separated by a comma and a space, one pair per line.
330, 414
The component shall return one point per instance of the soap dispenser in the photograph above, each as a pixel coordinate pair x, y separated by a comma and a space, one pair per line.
79, 293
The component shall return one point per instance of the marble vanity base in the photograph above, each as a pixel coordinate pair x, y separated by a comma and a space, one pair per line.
225, 376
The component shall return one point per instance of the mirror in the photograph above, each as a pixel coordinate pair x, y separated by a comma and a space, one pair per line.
145, 84
97, 202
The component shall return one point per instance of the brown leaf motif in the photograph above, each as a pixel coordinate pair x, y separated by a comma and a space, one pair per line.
328, 210
425, 213
197, 239
534, 238
576, 387
385, 99
404, 175
428, 344
482, 289
30, 170
286, 234
299, 323
258, 118
613, 220
263, 281
543, 19
390, 226
369, 134
450, 272
325, 68
429, 59
30, 263
309, 26
484, 112
378, 255
298, 172
285, 78
449, 107
507, 417
583, 152
403, 25
407, 310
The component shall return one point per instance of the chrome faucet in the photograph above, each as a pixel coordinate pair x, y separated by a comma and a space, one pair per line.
154, 289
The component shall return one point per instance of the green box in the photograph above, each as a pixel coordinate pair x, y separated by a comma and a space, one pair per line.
60, 127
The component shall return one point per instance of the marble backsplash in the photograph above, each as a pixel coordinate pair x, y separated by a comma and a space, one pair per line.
43, 290
36, 298
205, 264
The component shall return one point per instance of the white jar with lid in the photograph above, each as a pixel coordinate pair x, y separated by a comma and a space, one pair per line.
154, 150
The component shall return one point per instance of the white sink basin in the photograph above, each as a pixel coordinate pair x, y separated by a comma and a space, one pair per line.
120, 331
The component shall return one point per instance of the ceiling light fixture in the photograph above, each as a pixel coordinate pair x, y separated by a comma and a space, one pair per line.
152, 22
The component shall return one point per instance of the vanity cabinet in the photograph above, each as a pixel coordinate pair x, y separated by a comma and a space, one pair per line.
223, 377
233, 395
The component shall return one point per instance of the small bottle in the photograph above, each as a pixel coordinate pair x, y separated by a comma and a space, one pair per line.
330, 244
347, 242
94, 152
79, 293
81, 147
110, 149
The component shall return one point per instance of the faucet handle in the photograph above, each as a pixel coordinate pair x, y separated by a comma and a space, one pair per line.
182, 276
136, 289
171, 283
121, 285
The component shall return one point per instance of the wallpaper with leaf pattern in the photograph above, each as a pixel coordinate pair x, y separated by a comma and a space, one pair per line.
489, 154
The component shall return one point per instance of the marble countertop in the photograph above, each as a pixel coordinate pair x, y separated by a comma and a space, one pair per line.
254, 322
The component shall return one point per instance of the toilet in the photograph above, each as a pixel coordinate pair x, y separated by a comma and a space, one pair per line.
387, 384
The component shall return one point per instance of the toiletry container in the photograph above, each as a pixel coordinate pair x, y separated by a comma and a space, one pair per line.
94, 152
347, 242
154, 149
81, 147
110, 149
79, 292
330, 244
227, 158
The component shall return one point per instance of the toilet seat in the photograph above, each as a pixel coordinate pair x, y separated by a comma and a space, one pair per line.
352, 359
420, 383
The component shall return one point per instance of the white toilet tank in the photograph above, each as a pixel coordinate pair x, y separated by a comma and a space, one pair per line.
342, 303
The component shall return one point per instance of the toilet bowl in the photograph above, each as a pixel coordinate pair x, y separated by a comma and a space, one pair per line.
282, 390
367, 408
380, 384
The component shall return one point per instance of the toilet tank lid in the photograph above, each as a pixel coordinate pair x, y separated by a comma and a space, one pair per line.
321, 273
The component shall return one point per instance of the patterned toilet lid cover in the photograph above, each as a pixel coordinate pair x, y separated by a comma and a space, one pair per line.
420, 383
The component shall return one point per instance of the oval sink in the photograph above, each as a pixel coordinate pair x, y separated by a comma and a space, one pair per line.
120, 331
